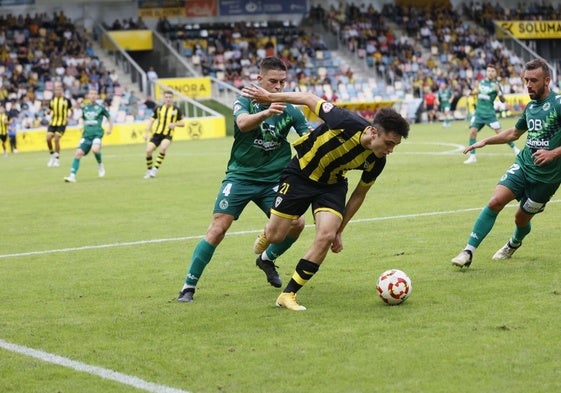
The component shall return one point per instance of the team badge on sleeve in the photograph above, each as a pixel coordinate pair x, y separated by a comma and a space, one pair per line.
326, 106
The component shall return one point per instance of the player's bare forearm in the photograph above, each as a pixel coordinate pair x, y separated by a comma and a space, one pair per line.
505, 136
250, 121
353, 204
259, 94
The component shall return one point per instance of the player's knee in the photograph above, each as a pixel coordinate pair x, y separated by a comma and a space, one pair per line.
215, 234
298, 225
326, 238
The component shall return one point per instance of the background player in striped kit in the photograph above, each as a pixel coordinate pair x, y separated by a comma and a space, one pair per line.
166, 117
60, 109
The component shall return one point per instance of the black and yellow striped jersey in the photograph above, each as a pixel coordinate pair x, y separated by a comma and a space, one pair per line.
165, 115
59, 107
333, 148
3, 124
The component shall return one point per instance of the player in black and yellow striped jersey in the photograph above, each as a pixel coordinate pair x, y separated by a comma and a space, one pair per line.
316, 176
162, 123
60, 109
3, 129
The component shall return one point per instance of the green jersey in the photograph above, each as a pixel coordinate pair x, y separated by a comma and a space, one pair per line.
487, 93
445, 98
542, 120
261, 154
93, 115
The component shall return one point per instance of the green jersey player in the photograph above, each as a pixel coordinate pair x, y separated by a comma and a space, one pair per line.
536, 173
259, 154
444, 99
92, 120
487, 91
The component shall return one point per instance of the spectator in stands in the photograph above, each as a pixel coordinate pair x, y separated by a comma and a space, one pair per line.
162, 124
163, 26
149, 103
430, 101
151, 75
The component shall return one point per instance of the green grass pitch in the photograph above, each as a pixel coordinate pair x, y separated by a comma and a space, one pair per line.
89, 273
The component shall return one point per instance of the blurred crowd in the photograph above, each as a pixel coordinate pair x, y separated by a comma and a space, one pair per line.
434, 45
37, 51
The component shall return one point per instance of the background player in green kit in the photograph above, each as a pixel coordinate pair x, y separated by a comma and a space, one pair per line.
92, 118
259, 153
444, 103
486, 92
536, 173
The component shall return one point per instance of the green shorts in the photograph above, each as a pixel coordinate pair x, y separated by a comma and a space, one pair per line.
479, 121
532, 195
234, 195
85, 144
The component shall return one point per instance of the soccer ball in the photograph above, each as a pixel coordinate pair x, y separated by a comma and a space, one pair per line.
394, 286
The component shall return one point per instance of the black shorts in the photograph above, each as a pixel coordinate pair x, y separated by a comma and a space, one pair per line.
296, 193
158, 138
56, 129
3, 137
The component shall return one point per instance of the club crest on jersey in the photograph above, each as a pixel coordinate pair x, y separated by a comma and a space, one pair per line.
278, 201
546, 106
223, 204
327, 106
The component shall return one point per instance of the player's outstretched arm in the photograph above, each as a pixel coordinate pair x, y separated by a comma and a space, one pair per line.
505, 136
259, 94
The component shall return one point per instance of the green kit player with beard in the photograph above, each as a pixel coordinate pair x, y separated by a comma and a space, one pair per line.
259, 154
487, 91
536, 173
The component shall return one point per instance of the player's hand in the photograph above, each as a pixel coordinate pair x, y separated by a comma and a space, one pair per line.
109, 131
476, 145
276, 108
337, 245
257, 93
542, 157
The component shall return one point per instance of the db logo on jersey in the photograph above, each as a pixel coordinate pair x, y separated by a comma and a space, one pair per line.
326, 106
278, 201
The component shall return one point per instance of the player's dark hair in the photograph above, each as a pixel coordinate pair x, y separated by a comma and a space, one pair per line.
491, 65
390, 121
538, 63
272, 63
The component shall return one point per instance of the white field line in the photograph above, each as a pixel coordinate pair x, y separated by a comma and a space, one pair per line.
238, 233
92, 370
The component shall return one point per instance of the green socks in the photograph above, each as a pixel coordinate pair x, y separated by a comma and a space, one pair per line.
482, 226
202, 255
